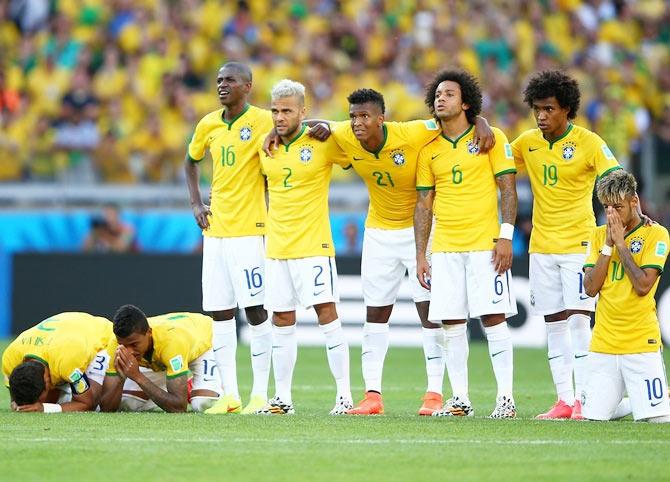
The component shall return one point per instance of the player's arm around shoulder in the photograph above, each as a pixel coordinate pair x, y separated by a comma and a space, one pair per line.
502, 162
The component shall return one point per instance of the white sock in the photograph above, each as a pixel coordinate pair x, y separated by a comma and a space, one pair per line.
261, 353
433, 350
457, 358
623, 409
373, 353
284, 355
502, 359
580, 331
337, 350
224, 345
560, 359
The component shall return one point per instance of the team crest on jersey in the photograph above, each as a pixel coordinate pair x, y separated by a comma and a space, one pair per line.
398, 158
306, 154
568, 151
636, 245
473, 148
245, 133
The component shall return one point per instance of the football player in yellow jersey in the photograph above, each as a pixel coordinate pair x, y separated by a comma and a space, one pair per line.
151, 360
385, 154
563, 161
233, 268
59, 364
625, 261
300, 264
469, 270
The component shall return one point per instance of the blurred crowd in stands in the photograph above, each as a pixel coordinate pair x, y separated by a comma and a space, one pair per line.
110, 90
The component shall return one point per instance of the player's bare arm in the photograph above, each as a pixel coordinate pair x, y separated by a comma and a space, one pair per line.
643, 279
112, 390
200, 209
502, 253
318, 129
174, 400
423, 221
483, 135
83, 402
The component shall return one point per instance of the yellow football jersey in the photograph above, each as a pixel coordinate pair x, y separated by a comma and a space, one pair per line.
466, 194
625, 321
389, 173
66, 343
179, 338
562, 176
238, 189
298, 177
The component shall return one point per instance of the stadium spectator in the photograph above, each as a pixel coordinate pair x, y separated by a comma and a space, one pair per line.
110, 234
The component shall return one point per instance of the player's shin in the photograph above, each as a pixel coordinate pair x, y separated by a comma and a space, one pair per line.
337, 350
580, 331
433, 350
224, 345
284, 355
560, 359
457, 359
375, 346
261, 352
501, 353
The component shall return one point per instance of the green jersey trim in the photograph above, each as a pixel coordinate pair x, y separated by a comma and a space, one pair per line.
35, 357
177, 375
659, 268
562, 136
193, 161
379, 149
232, 121
506, 171
589, 265
634, 229
454, 142
611, 169
425, 188
296, 137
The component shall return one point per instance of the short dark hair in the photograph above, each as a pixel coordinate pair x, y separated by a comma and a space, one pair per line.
26, 382
554, 83
471, 93
364, 96
129, 319
242, 69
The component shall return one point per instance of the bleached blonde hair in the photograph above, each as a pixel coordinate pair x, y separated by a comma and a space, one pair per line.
616, 186
288, 88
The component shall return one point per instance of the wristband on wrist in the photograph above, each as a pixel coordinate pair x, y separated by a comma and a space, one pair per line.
606, 251
506, 231
52, 408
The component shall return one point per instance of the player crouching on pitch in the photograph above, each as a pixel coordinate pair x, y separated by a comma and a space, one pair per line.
151, 359
59, 364
625, 261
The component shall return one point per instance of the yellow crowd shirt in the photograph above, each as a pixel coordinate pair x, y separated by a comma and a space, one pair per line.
66, 343
238, 189
298, 176
625, 321
178, 339
562, 176
466, 196
390, 172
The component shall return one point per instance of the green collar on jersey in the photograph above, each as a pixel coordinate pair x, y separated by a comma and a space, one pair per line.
634, 229
230, 124
454, 142
296, 137
379, 149
562, 136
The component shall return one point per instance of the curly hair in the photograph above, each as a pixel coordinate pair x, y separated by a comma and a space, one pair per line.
616, 186
554, 83
471, 93
363, 96
26, 382
129, 319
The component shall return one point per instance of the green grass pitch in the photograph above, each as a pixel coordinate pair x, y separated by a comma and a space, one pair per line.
315, 446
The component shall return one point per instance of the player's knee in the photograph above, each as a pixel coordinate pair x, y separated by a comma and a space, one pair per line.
378, 314
256, 315
223, 315
200, 404
130, 403
283, 318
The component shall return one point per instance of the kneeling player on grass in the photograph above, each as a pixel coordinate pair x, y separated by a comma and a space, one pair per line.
624, 265
58, 365
152, 359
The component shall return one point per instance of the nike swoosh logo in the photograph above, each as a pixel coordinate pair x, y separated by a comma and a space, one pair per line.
435, 156
530, 149
259, 354
497, 353
583, 297
433, 357
495, 302
657, 403
217, 349
317, 294
580, 356
358, 158
334, 346
557, 356
254, 294
209, 379
365, 353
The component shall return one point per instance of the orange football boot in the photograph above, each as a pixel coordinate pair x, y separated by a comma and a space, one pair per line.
432, 402
371, 405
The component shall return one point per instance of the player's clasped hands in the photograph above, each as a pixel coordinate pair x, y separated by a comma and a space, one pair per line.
126, 364
615, 229
502, 255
